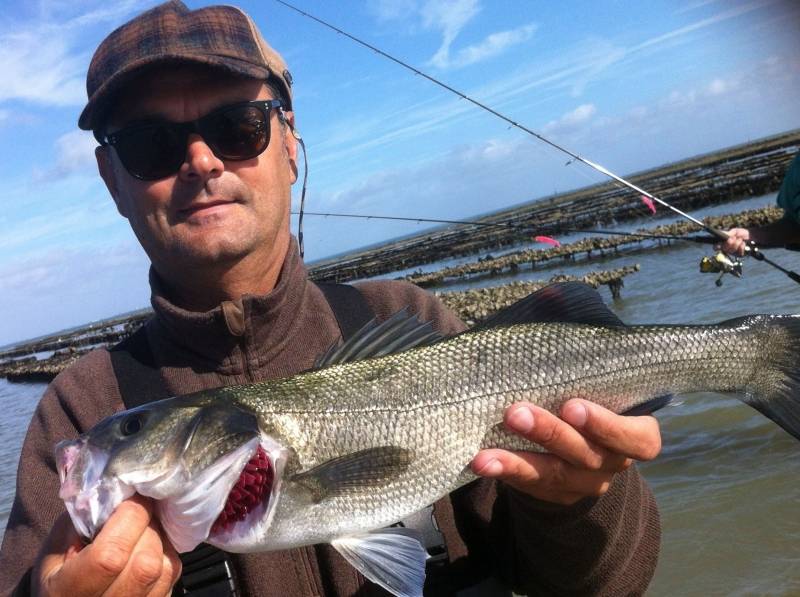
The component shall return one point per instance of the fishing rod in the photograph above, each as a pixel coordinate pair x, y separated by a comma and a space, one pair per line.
751, 249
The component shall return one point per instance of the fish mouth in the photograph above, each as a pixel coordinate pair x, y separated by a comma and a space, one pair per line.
228, 503
89, 496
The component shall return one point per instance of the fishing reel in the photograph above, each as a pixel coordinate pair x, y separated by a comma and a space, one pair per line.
721, 264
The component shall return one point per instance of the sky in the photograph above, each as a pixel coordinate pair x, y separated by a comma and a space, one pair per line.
630, 85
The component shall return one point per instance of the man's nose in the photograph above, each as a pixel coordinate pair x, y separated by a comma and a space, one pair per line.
200, 162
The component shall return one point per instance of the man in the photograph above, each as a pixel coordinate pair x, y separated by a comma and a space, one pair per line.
209, 202
784, 231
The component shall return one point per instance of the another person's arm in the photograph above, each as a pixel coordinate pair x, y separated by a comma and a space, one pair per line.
782, 232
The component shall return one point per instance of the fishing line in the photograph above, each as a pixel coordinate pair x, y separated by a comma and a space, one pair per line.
752, 249
707, 240
601, 169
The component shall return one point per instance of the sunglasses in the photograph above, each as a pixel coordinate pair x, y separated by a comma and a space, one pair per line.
156, 150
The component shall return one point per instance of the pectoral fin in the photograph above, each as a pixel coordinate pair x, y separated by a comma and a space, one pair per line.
370, 468
393, 558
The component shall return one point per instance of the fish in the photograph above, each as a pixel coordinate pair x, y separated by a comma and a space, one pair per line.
388, 422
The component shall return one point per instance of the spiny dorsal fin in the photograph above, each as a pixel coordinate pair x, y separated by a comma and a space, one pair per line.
565, 302
398, 333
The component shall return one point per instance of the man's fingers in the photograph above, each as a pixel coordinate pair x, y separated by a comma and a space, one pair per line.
562, 439
544, 476
96, 567
632, 437
171, 570
115, 543
145, 567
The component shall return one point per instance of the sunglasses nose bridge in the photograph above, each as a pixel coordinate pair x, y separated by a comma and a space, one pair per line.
202, 158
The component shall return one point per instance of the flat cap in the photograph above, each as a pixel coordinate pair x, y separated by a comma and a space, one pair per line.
222, 37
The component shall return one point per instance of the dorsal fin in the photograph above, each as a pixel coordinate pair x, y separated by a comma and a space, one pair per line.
398, 333
567, 302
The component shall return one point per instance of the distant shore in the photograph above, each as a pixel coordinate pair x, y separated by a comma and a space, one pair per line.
743, 171
748, 170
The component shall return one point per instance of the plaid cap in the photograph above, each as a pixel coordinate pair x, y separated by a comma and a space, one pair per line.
222, 37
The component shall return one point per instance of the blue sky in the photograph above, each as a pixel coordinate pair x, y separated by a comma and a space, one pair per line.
628, 84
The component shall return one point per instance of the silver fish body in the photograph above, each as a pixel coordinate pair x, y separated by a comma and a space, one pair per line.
443, 403
355, 446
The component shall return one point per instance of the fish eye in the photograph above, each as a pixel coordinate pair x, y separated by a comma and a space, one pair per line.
131, 425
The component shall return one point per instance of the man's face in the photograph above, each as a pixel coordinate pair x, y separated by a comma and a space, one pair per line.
212, 212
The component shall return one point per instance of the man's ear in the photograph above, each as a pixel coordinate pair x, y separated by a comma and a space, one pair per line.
106, 169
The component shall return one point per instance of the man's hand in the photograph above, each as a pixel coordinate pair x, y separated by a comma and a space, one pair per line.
585, 449
737, 241
130, 556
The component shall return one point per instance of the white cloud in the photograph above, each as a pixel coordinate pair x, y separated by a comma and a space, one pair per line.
74, 155
493, 45
392, 10
718, 87
41, 68
45, 61
571, 120
725, 15
449, 16
501, 171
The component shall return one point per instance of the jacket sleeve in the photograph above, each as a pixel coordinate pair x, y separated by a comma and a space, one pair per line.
65, 410
603, 546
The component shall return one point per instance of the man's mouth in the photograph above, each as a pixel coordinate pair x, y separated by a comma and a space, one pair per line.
204, 209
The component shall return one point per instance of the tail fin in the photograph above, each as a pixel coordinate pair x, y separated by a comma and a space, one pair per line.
775, 389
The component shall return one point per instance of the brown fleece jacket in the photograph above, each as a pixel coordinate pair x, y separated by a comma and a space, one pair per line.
607, 546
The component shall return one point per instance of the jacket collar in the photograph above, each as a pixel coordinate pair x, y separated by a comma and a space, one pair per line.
234, 334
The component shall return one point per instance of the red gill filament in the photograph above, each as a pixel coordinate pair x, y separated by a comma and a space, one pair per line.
252, 488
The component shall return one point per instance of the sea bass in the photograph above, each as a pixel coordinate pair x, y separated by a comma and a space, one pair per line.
389, 423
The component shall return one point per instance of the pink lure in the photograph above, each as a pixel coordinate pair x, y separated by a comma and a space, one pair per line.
547, 240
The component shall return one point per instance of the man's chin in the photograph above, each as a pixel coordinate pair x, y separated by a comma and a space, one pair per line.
214, 250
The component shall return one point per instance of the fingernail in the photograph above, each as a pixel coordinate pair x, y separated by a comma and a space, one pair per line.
576, 414
491, 469
521, 419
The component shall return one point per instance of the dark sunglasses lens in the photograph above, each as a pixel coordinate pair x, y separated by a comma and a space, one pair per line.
238, 133
152, 152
